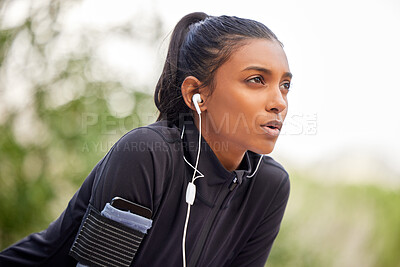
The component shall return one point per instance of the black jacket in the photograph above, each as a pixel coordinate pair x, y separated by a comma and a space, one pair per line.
233, 222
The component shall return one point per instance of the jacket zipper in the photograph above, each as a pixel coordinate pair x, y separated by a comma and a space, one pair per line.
209, 223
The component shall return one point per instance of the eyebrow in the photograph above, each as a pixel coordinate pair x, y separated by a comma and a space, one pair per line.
267, 71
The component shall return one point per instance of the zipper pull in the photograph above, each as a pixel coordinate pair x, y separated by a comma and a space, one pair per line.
233, 184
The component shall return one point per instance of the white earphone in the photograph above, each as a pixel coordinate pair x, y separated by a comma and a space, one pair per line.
196, 100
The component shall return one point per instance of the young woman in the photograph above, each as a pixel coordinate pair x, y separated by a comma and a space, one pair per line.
198, 174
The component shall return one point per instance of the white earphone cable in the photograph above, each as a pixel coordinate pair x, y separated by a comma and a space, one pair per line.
184, 235
194, 177
198, 151
258, 164
201, 175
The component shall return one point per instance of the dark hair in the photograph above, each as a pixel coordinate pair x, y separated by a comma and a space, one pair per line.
199, 45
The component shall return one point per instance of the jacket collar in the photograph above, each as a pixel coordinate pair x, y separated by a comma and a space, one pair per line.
209, 164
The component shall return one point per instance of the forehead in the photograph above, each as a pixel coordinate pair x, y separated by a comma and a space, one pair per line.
259, 52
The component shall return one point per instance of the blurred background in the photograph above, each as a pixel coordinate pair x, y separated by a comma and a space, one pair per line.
76, 75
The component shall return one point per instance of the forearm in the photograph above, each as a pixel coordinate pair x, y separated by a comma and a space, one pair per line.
50, 247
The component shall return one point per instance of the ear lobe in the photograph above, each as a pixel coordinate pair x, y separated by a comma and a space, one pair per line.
190, 86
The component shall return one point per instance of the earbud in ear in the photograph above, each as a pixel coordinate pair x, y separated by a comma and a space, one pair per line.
196, 100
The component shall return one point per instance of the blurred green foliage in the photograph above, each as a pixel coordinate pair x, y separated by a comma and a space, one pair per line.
48, 146
338, 225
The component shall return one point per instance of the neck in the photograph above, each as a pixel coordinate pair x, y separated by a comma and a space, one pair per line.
228, 154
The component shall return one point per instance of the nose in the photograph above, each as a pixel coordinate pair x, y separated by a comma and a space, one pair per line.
276, 101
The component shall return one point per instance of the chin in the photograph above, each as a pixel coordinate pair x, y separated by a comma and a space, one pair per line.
264, 148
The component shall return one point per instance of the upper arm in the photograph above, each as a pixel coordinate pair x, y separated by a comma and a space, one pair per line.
135, 170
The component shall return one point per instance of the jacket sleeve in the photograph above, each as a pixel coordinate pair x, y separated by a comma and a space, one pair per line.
127, 171
258, 247
130, 173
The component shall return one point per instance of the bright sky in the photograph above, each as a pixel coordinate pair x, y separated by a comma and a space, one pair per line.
344, 55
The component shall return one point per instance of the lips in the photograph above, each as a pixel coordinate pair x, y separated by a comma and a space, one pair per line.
272, 128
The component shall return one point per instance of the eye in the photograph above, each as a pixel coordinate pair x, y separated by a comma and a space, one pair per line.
285, 86
257, 79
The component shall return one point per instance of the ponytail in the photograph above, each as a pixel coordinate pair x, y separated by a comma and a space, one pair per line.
168, 94
199, 45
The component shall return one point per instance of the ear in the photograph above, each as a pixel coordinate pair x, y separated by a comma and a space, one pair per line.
190, 86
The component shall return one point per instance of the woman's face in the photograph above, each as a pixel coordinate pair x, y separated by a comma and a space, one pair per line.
249, 101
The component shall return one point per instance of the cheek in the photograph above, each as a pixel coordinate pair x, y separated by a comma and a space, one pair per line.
284, 112
223, 102
218, 113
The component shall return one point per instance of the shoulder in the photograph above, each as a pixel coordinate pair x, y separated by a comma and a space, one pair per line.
273, 168
149, 145
273, 176
159, 131
156, 137
272, 186
137, 165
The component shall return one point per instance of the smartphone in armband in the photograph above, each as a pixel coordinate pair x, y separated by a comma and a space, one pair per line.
92, 248
126, 205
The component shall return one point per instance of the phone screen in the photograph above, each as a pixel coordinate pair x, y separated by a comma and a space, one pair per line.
123, 204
